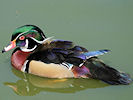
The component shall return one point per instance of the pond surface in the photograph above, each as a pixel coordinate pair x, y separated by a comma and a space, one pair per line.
94, 24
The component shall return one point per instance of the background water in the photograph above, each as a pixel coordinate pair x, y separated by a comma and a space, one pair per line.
94, 24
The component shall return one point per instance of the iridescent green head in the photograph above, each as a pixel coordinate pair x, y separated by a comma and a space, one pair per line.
28, 31
27, 37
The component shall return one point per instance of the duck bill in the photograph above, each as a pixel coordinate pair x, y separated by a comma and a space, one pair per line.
10, 46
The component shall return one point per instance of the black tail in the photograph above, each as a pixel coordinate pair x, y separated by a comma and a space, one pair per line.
103, 72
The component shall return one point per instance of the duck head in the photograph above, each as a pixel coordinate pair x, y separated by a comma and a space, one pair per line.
27, 38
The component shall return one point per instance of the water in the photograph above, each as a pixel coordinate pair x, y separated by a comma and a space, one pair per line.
94, 24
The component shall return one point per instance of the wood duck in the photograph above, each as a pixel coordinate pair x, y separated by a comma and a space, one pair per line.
53, 58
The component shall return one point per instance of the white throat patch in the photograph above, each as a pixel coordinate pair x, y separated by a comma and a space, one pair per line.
25, 48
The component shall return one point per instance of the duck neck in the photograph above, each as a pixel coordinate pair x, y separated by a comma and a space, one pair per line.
18, 58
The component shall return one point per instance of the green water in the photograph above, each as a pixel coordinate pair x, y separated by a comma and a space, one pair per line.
94, 24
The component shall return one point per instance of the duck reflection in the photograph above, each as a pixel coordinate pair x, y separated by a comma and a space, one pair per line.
29, 85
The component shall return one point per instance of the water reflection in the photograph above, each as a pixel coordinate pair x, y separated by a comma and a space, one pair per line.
29, 85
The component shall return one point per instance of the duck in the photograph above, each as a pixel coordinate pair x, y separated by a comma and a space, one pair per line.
43, 56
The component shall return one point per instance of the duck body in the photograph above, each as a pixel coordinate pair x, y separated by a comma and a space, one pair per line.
61, 61
50, 58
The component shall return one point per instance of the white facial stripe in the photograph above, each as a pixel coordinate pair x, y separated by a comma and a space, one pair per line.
40, 42
20, 35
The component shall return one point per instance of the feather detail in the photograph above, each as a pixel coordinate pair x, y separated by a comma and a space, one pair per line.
95, 53
68, 65
59, 50
61, 44
90, 54
44, 41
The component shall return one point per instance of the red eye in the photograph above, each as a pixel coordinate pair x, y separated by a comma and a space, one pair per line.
21, 37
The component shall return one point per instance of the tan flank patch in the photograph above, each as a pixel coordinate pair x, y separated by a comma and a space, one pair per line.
49, 70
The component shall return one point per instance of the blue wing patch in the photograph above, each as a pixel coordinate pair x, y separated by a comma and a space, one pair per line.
90, 54
95, 53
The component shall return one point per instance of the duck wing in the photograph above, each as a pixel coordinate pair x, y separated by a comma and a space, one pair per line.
80, 61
